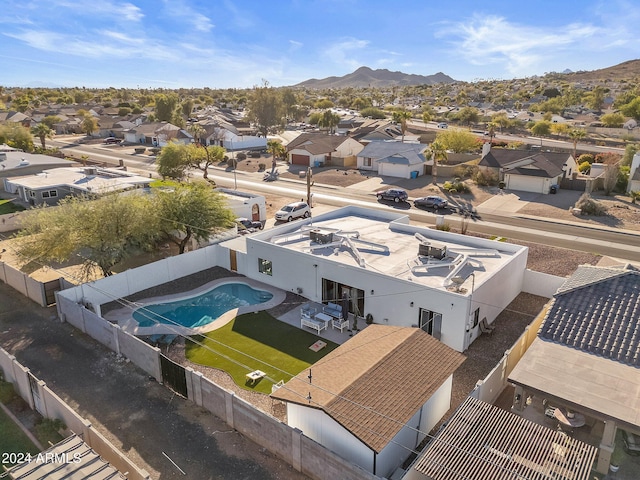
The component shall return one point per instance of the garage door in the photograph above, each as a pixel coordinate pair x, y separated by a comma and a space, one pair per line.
299, 159
524, 183
393, 170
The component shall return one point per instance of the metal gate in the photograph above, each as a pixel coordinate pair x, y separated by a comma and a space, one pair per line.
173, 375
35, 394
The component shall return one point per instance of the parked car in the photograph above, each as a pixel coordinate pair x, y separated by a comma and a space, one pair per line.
396, 194
111, 140
433, 201
292, 211
443, 125
249, 224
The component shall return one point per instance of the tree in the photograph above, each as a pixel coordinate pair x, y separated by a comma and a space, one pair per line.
329, 120
541, 128
436, 151
610, 175
612, 120
501, 120
402, 117
576, 135
203, 156
102, 232
595, 98
89, 124
166, 106
42, 131
265, 107
187, 107
324, 103
197, 131
560, 128
172, 161
16, 136
189, 211
632, 109
457, 141
468, 115
51, 120
372, 112
277, 150
629, 151
315, 118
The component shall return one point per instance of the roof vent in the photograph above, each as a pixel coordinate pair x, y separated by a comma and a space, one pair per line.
23, 163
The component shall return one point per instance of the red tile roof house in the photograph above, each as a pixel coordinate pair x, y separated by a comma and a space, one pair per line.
315, 149
373, 399
527, 171
587, 353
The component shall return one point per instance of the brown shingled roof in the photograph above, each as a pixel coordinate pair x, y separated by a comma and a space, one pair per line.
374, 383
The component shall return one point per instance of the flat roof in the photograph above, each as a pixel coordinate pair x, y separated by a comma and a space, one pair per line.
389, 245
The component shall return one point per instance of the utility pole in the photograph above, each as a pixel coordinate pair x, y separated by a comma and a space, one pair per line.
309, 185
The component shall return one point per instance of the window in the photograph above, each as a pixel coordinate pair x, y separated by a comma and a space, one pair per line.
32, 194
431, 322
50, 193
476, 317
45, 194
265, 266
367, 161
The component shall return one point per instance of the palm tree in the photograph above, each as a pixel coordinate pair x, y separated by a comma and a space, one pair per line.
491, 130
42, 131
576, 135
196, 131
401, 117
275, 148
436, 151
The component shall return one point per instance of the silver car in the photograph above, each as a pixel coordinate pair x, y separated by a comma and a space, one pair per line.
292, 211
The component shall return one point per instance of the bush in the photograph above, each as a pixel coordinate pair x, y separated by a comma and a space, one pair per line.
241, 156
589, 206
47, 430
445, 227
586, 157
232, 163
262, 167
502, 185
465, 171
584, 167
455, 187
484, 178
254, 154
7, 393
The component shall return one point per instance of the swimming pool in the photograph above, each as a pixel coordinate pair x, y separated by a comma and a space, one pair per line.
200, 310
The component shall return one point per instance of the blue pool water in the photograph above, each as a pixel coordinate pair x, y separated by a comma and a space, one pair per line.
203, 309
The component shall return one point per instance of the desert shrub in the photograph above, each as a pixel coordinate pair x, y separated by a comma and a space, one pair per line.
465, 171
635, 196
589, 206
254, 154
7, 393
584, 167
455, 187
241, 156
502, 185
484, 178
586, 157
155, 150
261, 167
47, 430
445, 227
232, 163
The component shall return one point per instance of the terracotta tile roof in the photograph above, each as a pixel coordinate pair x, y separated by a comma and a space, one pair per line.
374, 383
483, 442
597, 310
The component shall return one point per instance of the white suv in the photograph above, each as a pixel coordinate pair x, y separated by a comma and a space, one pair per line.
292, 211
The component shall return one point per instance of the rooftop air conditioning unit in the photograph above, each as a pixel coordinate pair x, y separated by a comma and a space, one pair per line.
318, 236
432, 250
90, 171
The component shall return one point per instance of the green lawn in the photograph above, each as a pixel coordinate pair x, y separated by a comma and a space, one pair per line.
7, 206
12, 439
269, 341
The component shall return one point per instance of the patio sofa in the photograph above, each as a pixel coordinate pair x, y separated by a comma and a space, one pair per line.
333, 310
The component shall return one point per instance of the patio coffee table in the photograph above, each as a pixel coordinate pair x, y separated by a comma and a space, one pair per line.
254, 376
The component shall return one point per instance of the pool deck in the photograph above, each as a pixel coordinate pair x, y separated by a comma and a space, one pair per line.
124, 316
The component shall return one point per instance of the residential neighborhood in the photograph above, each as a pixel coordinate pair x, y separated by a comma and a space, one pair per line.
424, 281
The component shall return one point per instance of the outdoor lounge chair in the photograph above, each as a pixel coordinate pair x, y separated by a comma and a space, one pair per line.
333, 309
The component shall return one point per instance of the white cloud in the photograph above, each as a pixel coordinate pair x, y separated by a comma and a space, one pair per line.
295, 45
180, 9
519, 48
341, 52
119, 10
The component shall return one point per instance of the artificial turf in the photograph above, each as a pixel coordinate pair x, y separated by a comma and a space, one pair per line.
7, 206
257, 341
13, 440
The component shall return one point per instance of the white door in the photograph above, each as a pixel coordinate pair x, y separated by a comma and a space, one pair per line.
393, 170
524, 183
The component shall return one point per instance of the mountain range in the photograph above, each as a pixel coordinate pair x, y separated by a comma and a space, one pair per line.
366, 77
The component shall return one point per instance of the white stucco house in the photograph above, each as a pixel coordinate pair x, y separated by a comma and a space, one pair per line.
400, 274
525, 170
394, 159
230, 137
157, 134
244, 204
373, 399
316, 149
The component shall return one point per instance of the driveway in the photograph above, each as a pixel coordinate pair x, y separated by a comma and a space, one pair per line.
139, 416
507, 202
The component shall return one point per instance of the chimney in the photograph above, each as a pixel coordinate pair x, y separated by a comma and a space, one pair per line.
486, 148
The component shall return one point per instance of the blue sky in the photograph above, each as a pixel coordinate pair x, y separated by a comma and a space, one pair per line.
225, 43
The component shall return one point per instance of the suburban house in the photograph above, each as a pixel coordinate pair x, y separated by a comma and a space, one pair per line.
482, 441
226, 135
393, 159
15, 163
49, 186
157, 134
374, 398
247, 205
527, 171
444, 283
317, 149
587, 353
634, 175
